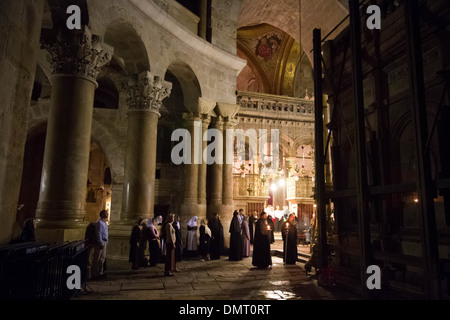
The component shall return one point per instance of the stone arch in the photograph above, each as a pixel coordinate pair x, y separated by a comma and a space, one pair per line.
189, 83
288, 143
106, 94
403, 144
130, 53
303, 140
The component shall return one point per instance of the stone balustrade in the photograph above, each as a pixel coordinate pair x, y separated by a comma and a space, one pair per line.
252, 101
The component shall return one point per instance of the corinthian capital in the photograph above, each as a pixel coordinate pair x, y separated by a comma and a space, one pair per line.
77, 52
147, 92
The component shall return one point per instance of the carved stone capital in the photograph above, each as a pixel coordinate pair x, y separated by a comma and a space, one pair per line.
146, 92
206, 120
226, 110
77, 52
217, 123
190, 118
230, 123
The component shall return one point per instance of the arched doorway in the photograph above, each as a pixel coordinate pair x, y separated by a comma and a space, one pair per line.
98, 186
98, 193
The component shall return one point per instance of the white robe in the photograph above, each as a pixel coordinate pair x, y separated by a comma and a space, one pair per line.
191, 241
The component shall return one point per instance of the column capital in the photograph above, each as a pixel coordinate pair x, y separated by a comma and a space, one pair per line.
76, 52
146, 92
226, 110
230, 123
217, 122
206, 120
191, 117
205, 106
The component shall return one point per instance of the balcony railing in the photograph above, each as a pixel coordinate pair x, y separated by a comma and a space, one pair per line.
251, 101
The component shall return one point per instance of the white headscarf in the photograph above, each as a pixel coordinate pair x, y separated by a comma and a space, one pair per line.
193, 222
207, 229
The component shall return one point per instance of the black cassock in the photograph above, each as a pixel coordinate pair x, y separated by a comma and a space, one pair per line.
251, 224
216, 242
134, 247
261, 245
235, 240
289, 233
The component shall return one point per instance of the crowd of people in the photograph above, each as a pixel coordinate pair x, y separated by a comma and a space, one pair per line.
205, 239
154, 241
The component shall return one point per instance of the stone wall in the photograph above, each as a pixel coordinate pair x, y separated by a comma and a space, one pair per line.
20, 25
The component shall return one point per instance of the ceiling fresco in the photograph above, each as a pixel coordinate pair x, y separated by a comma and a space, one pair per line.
275, 62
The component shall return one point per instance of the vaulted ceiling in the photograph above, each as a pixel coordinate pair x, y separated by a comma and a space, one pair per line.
284, 14
277, 42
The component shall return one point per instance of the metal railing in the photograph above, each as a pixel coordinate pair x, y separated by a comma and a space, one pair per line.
37, 271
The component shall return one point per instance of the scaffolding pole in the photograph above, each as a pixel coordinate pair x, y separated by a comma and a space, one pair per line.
319, 152
424, 180
361, 189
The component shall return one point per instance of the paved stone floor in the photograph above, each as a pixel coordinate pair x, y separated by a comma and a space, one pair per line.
212, 280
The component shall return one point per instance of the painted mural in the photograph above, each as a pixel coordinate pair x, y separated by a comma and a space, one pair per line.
276, 63
267, 45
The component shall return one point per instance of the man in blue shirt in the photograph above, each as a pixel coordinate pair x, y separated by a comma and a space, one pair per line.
101, 236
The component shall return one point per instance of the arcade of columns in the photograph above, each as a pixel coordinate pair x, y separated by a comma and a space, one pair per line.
61, 207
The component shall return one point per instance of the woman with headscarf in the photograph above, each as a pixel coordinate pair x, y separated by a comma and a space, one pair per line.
261, 243
217, 241
28, 230
245, 237
205, 238
235, 253
191, 241
153, 244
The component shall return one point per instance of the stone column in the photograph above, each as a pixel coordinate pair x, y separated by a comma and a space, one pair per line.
116, 202
144, 100
194, 126
203, 23
227, 174
76, 60
206, 120
216, 174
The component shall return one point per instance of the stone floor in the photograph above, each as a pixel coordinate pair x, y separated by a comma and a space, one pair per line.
212, 280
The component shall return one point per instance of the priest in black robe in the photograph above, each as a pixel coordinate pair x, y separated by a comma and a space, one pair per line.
261, 243
235, 253
289, 233
217, 241
251, 225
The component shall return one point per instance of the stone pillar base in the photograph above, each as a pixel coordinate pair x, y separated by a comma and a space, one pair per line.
214, 207
118, 242
226, 215
60, 235
202, 211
